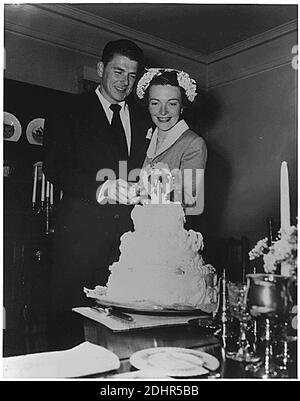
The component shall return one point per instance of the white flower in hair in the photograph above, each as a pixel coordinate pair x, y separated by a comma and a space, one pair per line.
183, 78
188, 84
144, 82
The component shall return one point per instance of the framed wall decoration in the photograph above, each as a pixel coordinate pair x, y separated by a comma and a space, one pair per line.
35, 131
12, 129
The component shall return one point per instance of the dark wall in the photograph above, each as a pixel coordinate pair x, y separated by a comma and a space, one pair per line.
254, 130
26, 102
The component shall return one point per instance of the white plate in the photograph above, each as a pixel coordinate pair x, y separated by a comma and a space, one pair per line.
12, 128
35, 131
177, 362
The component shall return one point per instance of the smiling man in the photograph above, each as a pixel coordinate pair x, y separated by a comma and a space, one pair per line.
117, 77
92, 134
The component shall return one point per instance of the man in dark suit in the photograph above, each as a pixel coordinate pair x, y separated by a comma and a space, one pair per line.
88, 160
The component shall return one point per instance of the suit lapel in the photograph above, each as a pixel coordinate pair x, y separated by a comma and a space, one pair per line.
101, 132
101, 136
174, 134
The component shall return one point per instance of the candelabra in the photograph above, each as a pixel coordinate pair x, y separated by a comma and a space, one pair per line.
46, 210
43, 198
222, 317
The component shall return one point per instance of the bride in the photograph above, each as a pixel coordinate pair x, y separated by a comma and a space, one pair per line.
166, 93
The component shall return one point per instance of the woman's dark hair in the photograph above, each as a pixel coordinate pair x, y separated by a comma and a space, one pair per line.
166, 78
125, 48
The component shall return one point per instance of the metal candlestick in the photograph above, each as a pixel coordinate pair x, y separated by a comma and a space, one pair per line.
288, 332
237, 307
267, 296
222, 317
47, 216
45, 208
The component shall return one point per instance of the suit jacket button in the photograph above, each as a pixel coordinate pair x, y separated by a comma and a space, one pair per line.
116, 216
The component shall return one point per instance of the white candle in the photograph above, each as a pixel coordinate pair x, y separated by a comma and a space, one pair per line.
51, 194
61, 194
48, 190
34, 184
43, 188
285, 220
224, 290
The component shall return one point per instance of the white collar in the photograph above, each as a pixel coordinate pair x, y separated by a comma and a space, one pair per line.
173, 134
105, 103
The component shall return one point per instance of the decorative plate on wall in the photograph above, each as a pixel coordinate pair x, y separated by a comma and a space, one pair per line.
12, 128
35, 131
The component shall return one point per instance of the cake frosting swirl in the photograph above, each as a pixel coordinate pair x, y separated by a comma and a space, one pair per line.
161, 262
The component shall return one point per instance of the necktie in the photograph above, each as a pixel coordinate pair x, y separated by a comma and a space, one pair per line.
118, 130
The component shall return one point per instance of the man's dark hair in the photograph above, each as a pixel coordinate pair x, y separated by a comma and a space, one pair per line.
125, 48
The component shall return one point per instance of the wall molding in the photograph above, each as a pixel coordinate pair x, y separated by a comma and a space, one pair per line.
78, 18
245, 59
52, 39
251, 61
254, 41
121, 30
251, 72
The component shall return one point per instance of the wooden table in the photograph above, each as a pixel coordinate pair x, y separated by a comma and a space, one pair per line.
124, 344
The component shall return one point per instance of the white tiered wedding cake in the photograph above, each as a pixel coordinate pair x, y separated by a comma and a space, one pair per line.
160, 262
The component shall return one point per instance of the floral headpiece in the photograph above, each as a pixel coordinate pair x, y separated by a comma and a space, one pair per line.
183, 78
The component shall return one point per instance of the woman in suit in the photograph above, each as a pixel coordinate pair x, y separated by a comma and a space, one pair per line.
167, 92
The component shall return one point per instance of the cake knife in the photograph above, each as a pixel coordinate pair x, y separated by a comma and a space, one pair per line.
113, 312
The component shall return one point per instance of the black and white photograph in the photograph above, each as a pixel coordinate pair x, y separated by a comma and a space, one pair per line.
150, 194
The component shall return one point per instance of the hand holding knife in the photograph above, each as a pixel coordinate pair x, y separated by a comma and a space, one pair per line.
113, 312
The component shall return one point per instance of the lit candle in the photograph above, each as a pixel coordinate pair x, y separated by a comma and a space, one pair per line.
34, 184
48, 190
51, 194
43, 188
284, 197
